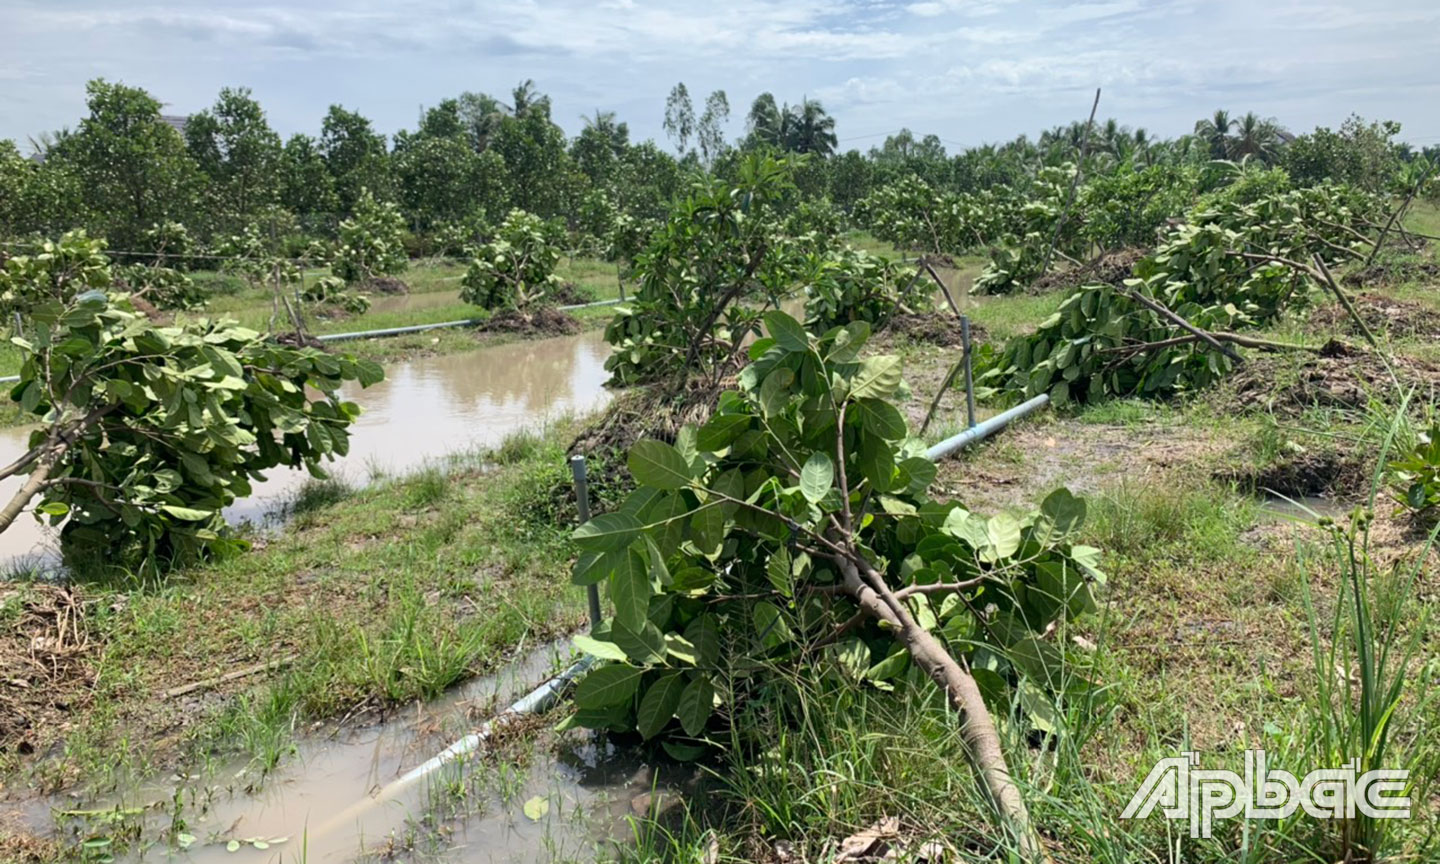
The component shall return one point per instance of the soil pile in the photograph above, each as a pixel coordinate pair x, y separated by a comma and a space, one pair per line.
544, 321
570, 294
1399, 318
1330, 474
937, 328
383, 285
1112, 268
45, 669
1342, 376
1407, 269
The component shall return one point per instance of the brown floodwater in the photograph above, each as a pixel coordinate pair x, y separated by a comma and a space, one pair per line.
342, 798
424, 410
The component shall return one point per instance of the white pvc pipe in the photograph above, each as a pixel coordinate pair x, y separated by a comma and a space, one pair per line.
537, 700
984, 429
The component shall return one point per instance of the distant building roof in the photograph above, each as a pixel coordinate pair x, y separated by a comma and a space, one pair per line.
177, 122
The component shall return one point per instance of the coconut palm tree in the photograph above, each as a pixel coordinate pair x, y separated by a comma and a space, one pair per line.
1215, 132
809, 129
1255, 138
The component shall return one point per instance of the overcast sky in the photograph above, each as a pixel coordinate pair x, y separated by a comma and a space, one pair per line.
967, 70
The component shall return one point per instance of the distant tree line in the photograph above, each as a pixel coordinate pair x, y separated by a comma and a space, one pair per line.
126, 168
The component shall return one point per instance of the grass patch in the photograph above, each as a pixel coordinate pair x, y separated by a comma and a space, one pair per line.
377, 597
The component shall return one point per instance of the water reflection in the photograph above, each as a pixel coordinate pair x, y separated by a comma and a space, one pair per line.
425, 409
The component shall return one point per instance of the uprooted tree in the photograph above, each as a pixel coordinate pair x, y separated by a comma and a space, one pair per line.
1177, 324
147, 433
794, 527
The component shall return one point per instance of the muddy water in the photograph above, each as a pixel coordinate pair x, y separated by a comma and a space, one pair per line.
335, 798
411, 302
425, 409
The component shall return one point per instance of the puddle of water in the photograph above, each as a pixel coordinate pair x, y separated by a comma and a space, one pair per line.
335, 798
424, 410
411, 302
1306, 508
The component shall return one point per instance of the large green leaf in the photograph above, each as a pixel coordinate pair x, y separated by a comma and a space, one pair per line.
787, 332
878, 377
720, 431
644, 644
655, 463
696, 703
658, 704
879, 417
607, 685
630, 591
607, 531
598, 648
817, 476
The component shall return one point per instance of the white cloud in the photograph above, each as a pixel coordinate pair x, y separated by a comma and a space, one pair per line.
966, 69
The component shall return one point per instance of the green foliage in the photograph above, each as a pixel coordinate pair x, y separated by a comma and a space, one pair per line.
150, 432
372, 242
852, 285
1360, 153
517, 269
132, 166
171, 244
1128, 208
719, 246
1416, 474
165, 287
1101, 342
55, 274
238, 152
329, 291
723, 566
1012, 265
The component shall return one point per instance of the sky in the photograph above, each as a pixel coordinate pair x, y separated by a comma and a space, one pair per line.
970, 71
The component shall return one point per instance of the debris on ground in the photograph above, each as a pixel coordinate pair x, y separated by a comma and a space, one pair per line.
383, 285
1342, 376
543, 321
45, 665
1399, 318
936, 328
1111, 268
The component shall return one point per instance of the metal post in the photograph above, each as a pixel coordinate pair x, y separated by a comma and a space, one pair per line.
969, 373
582, 503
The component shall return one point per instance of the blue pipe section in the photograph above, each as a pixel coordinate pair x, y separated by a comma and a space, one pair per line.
421, 328
984, 429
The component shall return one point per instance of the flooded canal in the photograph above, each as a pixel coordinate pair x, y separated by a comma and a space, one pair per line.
424, 410
342, 798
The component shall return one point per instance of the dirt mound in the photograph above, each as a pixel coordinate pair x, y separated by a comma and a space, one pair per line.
1112, 268
570, 294
1399, 318
45, 669
1342, 376
1384, 272
1334, 475
935, 328
544, 321
383, 285
298, 340
148, 309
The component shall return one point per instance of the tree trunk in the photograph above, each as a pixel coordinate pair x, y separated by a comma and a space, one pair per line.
976, 725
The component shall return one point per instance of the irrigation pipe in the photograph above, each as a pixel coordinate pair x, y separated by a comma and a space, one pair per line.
421, 328
400, 331
983, 430
540, 699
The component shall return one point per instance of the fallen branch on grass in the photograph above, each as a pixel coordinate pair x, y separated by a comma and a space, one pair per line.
1217, 336
236, 675
1202, 335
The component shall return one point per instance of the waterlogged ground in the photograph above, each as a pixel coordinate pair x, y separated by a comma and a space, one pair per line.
377, 604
